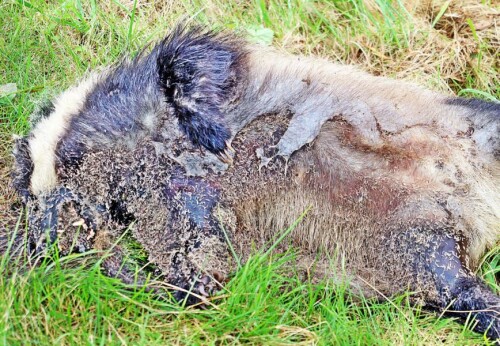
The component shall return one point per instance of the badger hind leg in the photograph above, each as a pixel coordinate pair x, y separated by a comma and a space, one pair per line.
434, 260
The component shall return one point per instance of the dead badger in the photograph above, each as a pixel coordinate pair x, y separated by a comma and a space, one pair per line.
403, 184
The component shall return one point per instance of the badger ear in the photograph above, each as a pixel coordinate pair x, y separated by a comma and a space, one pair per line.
23, 168
197, 71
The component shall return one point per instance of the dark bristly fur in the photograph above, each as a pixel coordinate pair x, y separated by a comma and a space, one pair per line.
403, 183
193, 69
23, 167
198, 70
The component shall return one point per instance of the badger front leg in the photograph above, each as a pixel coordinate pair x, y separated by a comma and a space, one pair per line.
434, 260
184, 238
309, 115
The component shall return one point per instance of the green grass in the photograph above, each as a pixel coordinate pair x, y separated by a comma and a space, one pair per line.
66, 300
45, 46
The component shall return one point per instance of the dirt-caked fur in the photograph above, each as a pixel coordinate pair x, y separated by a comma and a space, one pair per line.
206, 139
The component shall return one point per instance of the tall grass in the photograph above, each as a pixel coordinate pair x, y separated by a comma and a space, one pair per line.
67, 301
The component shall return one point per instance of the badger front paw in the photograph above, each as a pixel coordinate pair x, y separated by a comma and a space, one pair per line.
190, 284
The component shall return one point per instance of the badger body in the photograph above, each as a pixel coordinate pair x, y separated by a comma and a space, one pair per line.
205, 135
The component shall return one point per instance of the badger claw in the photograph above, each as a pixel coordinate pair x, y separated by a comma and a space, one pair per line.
230, 147
207, 285
201, 290
226, 156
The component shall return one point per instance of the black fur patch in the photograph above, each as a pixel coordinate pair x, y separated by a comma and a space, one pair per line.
69, 153
196, 199
197, 72
473, 300
46, 108
478, 106
23, 168
114, 109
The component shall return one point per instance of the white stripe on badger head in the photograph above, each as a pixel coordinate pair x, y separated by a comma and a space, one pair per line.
48, 132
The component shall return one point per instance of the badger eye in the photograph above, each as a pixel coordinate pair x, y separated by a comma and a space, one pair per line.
44, 108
